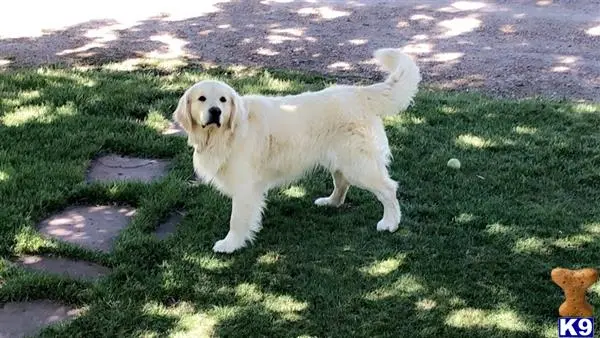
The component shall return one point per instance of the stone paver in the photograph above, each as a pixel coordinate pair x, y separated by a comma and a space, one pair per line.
121, 168
63, 266
91, 227
21, 319
169, 226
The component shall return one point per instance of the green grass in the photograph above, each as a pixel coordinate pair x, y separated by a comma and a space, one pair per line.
472, 258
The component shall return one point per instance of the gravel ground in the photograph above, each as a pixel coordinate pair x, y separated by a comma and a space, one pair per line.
503, 48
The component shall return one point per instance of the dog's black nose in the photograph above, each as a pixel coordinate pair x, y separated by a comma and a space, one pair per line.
214, 111
214, 114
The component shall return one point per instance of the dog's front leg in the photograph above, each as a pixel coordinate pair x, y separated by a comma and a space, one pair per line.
246, 212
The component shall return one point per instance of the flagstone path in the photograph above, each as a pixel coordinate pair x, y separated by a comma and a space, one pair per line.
92, 227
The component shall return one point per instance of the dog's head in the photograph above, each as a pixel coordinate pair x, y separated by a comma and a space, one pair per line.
209, 104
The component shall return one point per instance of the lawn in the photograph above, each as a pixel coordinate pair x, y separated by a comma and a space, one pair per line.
472, 257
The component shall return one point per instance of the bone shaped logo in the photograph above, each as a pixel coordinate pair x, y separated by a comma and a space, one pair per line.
574, 284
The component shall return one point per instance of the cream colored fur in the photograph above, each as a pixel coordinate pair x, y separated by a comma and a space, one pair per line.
264, 142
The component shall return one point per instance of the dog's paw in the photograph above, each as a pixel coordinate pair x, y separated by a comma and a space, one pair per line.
229, 244
323, 201
384, 225
225, 246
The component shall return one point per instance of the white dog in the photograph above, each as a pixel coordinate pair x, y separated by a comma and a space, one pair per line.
246, 145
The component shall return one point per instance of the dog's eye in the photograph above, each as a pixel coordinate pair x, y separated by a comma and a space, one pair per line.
202, 98
223, 99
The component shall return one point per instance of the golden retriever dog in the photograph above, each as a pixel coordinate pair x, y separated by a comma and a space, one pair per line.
246, 145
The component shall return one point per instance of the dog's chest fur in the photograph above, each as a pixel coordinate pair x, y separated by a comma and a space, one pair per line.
211, 158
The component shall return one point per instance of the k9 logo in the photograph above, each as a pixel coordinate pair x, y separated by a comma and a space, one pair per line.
574, 327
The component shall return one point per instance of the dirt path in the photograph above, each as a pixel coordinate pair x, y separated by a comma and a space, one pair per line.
505, 48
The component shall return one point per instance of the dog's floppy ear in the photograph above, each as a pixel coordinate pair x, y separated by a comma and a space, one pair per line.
239, 114
183, 113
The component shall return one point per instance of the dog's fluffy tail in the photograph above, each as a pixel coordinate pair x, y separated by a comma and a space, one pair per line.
403, 79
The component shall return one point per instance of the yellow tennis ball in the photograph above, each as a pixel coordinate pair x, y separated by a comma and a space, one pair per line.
454, 163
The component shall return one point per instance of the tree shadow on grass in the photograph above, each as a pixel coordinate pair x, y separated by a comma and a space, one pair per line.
486, 237
126, 94
468, 261
472, 258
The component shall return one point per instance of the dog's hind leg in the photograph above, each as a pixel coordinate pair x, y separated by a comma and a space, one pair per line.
375, 178
340, 188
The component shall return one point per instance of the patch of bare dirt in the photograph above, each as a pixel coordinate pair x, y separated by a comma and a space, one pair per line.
504, 48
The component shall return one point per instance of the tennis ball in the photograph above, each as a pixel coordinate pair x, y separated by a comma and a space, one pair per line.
454, 163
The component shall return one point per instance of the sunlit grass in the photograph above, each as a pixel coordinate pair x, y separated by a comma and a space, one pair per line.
586, 108
294, 191
404, 119
592, 228
449, 110
426, 304
207, 262
406, 285
532, 245
524, 130
29, 240
249, 292
472, 141
196, 325
465, 218
268, 258
288, 307
190, 323
275, 84
497, 228
78, 78
156, 120
383, 267
40, 114
550, 331
21, 98
575, 241
494, 319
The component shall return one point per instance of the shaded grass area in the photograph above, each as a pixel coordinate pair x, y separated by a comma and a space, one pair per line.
473, 256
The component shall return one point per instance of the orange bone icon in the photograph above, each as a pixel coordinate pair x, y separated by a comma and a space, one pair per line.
574, 284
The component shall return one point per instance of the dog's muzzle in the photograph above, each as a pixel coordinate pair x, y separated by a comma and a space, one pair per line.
214, 116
